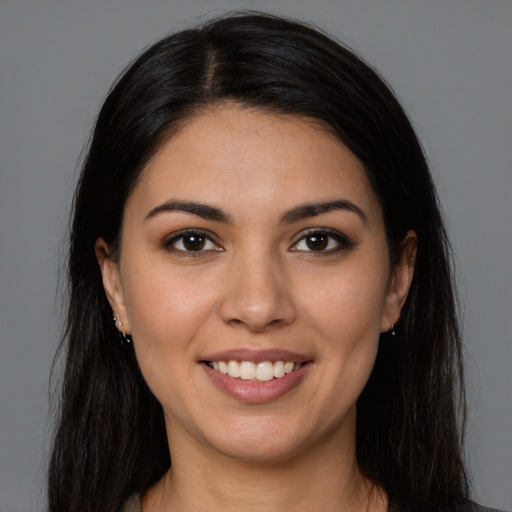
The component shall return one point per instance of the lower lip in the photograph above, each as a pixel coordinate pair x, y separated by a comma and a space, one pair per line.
254, 392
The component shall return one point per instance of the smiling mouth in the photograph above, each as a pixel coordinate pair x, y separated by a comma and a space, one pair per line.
263, 371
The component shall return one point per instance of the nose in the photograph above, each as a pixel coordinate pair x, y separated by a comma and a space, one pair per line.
258, 294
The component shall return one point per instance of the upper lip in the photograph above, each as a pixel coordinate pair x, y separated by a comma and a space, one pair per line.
256, 356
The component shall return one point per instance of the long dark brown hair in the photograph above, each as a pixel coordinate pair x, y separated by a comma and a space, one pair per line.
110, 439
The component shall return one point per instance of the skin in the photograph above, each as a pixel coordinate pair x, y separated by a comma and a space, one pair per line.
257, 283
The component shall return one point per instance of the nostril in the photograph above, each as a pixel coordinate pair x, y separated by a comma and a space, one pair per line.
257, 301
255, 326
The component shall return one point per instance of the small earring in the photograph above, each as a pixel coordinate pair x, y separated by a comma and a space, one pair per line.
392, 330
125, 338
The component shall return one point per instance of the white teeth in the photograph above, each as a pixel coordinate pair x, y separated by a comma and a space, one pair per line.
288, 367
234, 369
223, 367
279, 369
265, 371
247, 370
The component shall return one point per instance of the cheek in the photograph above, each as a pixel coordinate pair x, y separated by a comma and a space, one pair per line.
347, 322
164, 300
350, 305
166, 311
347, 319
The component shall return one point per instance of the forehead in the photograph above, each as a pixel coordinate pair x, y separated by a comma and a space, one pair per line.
244, 158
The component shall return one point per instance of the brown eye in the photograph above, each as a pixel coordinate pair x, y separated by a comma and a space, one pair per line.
325, 241
194, 242
317, 241
191, 242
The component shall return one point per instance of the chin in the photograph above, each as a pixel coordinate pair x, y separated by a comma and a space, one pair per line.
261, 452
260, 442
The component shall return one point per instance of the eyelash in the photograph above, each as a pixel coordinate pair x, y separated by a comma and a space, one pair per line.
323, 235
341, 240
180, 237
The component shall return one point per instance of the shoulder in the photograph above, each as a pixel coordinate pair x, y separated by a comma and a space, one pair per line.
132, 504
474, 507
468, 506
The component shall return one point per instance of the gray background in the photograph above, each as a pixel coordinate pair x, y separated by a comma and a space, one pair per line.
450, 62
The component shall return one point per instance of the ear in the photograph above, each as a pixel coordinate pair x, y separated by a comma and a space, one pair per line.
112, 284
400, 281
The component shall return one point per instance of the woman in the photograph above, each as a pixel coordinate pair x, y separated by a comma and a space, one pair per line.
256, 215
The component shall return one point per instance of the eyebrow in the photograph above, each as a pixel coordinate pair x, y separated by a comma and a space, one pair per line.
296, 214
313, 209
200, 209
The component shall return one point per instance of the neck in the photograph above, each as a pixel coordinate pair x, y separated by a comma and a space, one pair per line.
323, 478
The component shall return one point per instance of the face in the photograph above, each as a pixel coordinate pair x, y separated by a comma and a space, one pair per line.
253, 244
